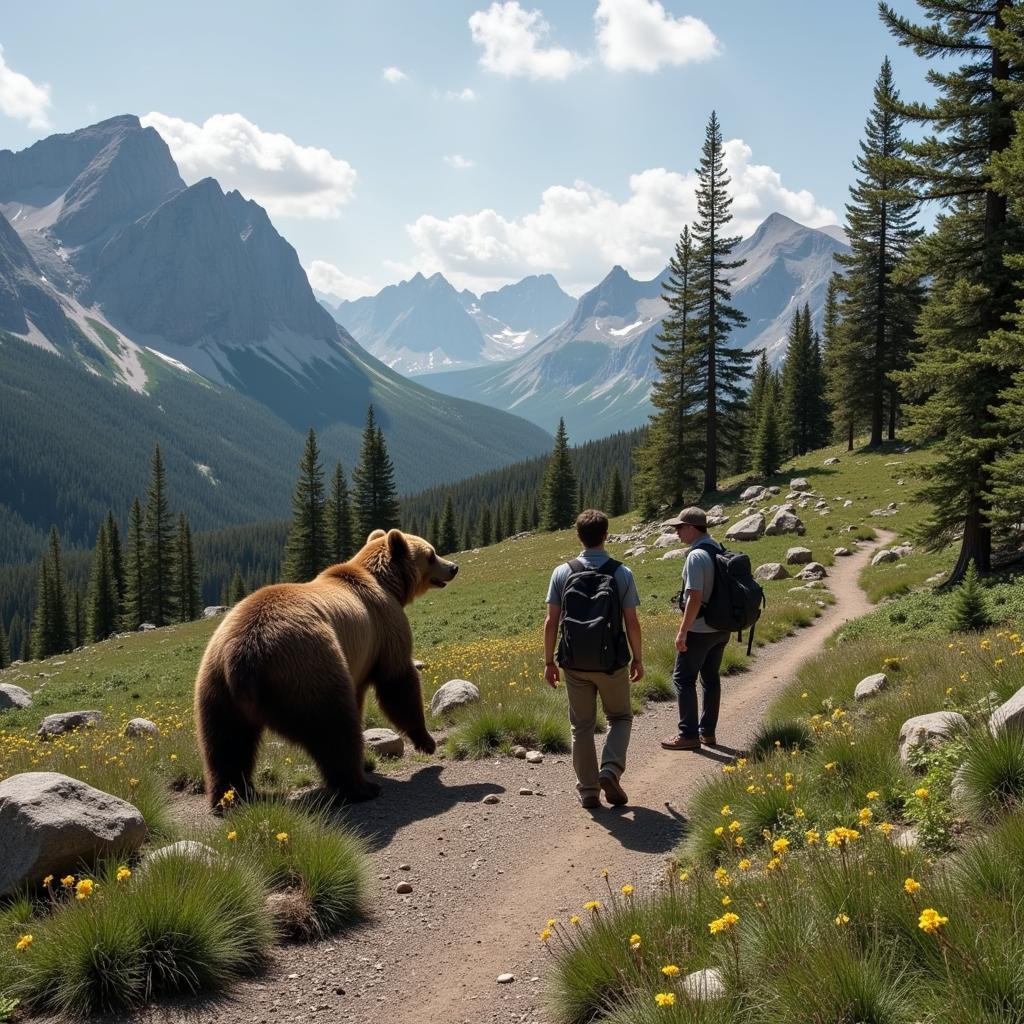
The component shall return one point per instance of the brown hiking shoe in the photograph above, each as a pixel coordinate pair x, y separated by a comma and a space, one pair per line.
708, 739
681, 743
590, 801
613, 792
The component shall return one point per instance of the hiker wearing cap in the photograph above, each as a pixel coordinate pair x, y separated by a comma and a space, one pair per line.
592, 603
699, 647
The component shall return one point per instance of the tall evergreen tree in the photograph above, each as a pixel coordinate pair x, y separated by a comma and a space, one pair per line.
42, 619
136, 599
524, 521
467, 537
102, 604
954, 378
306, 550
841, 364
499, 526
449, 539
18, 639
803, 401
724, 369
5, 647
560, 490
615, 498
485, 526
510, 517
116, 558
159, 544
767, 453
52, 622
879, 311
236, 589
669, 460
187, 596
340, 542
375, 501
760, 381
77, 618
435, 532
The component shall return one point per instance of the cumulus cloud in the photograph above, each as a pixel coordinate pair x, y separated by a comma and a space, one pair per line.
393, 75
288, 179
21, 98
459, 162
327, 279
579, 231
465, 95
640, 35
512, 40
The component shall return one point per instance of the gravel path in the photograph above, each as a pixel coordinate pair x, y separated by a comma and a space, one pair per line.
486, 877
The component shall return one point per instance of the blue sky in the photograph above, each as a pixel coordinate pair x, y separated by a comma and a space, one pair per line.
506, 138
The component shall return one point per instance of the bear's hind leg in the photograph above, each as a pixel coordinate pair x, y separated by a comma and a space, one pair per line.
228, 743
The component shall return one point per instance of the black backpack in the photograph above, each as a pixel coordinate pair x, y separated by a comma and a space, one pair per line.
592, 638
736, 598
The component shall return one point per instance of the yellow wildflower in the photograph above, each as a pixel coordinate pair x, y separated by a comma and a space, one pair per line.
734, 826
665, 998
739, 840
123, 874
593, 906
604, 872
911, 886
684, 875
232, 836
627, 889
670, 970
726, 900
744, 865
551, 922
83, 890
803, 696
830, 766
812, 836
780, 846
48, 881
723, 923
885, 828
545, 935
799, 813
67, 881
726, 811
575, 920
773, 864
842, 919
840, 836
865, 815
921, 793
873, 794
931, 921
720, 830
23, 943
634, 941
282, 837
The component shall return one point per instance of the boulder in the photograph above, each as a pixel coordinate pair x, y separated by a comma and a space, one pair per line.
774, 489
799, 484
666, 540
771, 571
718, 520
752, 493
715, 510
50, 823
885, 556
12, 696
871, 686
519, 752
841, 552
903, 550
456, 693
146, 627
141, 727
185, 849
384, 742
675, 553
750, 528
821, 504
812, 571
534, 757
1010, 714
831, 462
930, 730
799, 556
67, 721
784, 522
635, 552
213, 610
705, 985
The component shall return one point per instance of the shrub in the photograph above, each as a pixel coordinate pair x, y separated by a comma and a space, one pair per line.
992, 776
485, 728
968, 612
784, 734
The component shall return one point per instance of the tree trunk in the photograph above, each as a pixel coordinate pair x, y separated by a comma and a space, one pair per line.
849, 437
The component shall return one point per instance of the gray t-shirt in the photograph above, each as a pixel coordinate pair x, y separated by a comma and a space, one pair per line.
593, 560
699, 574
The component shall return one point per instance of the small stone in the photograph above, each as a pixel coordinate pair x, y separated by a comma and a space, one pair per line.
141, 727
841, 552
771, 571
519, 752
885, 556
929, 731
405, 867
456, 693
706, 984
384, 742
211, 611
68, 721
146, 627
492, 798
799, 556
831, 462
749, 528
812, 571
403, 888
870, 686
534, 757
799, 484
525, 791
506, 979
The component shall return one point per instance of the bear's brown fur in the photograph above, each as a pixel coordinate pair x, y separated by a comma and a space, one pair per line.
297, 658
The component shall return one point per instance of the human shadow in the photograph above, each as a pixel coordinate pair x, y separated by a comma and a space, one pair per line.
723, 754
420, 796
642, 828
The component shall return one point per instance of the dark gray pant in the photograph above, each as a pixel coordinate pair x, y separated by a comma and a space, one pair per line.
703, 657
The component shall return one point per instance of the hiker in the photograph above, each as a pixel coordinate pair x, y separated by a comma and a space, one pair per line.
699, 647
591, 598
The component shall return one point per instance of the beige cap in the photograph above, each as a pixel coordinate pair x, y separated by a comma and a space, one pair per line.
691, 516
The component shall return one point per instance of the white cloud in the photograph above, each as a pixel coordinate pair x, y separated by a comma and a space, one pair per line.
288, 179
465, 95
393, 75
459, 162
21, 98
511, 38
640, 35
579, 231
326, 278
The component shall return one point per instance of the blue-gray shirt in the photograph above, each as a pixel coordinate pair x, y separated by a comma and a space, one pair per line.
593, 560
699, 574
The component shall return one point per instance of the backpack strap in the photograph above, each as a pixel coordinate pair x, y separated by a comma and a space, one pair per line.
576, 566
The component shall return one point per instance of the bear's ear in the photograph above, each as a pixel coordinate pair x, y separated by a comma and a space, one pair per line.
398, 546
375, 535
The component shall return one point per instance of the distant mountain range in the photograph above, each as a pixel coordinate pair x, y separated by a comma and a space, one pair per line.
424, 325
185, 297
596, 369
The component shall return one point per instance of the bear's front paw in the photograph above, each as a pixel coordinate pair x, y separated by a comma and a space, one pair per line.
425, 744
361, 791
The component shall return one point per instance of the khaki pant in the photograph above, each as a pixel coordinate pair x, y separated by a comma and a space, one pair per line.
583, 689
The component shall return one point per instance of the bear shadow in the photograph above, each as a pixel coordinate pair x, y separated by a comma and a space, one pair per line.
416, 797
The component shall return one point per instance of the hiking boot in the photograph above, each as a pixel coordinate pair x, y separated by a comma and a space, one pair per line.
613, 792
708, 739
681, 743
589, 801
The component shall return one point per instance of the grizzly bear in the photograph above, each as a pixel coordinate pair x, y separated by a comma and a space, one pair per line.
298, 658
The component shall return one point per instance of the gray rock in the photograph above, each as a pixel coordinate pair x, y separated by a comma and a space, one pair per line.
930, 730
882, 557
674, 553
384, 742
492, 798
141, 727
50, 823
774, 489
403, 888
871, 686
958, 787
752, 493
666, 540
505, 979
146, 627
525, 791
519, 752
185, 849
211, 611
831, 462
799, 484
534, 757
750, 528
12, 696
716, 510
821, 503
841, 552
771, 571
784, 521
812, 571
636, 552
707, 984
718, 520
67, 721
847, 503
799, 556
456, 693
904, 549
1010, 714
907, 839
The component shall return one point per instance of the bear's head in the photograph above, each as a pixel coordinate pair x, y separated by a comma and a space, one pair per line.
405, 564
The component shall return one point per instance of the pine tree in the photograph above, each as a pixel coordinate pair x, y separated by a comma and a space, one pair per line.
159, 544
615, 499
187, 598
560, 488
535, 514
340, 542
375, 501
669, 460
767, 453
77, 618
5, 647
414, 527
499, 526
954, 378
116, 559
755, 403
435, 532
102, 604
236, 589
879, 311
841, 364
523, 518
819, 410
467, 538
52, 624
803, 385
485, 526
18, 639
723, 370
136, 604
42, 620
968, 609
449, 540
306, 550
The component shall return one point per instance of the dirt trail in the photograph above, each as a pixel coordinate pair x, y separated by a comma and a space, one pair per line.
487, 877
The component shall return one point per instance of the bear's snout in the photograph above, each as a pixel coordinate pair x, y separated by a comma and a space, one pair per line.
444, 573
